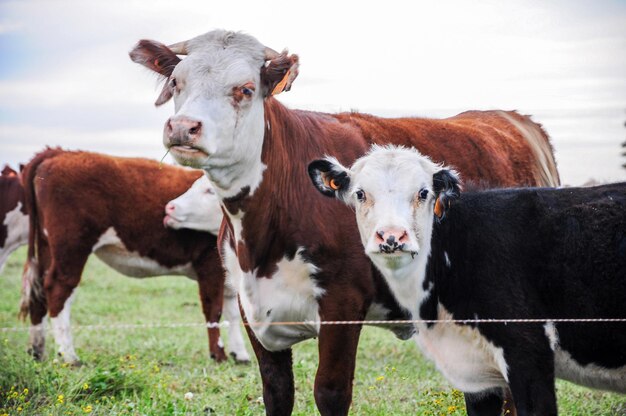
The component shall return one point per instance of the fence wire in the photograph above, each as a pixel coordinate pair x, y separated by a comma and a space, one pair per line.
226, 324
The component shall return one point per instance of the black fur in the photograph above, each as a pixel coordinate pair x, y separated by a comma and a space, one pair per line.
536, 253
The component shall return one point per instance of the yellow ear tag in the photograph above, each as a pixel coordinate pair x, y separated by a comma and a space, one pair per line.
280, 87
333, 185
438, 208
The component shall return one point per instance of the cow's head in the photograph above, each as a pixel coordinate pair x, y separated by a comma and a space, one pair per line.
396, 193
196, 209
218, 91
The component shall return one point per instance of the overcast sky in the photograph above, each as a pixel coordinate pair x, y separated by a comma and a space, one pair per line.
66, 79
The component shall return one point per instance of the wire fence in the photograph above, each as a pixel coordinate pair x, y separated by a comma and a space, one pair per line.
226, 324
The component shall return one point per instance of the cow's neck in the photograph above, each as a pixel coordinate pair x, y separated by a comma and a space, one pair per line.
409, 283
265, 219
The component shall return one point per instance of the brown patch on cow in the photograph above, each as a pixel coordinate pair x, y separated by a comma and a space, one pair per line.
11, 193
77, 196
237, 203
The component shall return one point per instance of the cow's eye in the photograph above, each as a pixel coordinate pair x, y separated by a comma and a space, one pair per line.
360, 195
247, 91
423, 194
173, 83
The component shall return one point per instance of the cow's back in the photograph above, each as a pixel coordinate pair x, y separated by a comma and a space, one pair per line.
543, 254
84, 194
495, 148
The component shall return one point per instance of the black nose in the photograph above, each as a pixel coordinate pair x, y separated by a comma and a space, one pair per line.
390, 246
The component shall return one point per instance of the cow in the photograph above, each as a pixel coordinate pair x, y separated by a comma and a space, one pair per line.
13, 217
295, 256
529, 253
81, 203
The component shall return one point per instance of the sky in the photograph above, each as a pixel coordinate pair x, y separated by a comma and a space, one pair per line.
66, 79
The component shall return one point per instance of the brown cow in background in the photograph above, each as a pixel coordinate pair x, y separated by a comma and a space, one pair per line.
81, 203
13, 217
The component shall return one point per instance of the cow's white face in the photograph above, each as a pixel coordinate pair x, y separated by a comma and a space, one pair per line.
393, 191
218, 92
197, 209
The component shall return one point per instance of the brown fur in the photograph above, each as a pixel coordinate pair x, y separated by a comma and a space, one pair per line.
285, 213
11, 193
77, 196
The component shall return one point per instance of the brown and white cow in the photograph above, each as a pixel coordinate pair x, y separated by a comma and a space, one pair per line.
81, 203
297, 256
13, 217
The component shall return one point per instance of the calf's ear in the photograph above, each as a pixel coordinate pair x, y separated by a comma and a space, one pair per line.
447, 187
330, 177
279, 72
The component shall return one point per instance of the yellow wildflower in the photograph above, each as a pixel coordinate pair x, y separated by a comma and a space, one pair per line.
85, 386
87, 409
452, 409
380, 378
60, 398
25, 391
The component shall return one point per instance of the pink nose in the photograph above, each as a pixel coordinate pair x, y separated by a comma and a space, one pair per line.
391, 239
182, 130
170, 208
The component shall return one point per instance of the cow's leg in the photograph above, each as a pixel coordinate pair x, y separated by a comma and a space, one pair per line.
60, 283
276, 374
211, 287
337, 357
33, 303
487, 403
531, 378
236, 344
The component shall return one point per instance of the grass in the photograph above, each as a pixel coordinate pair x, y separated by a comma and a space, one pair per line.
149, 371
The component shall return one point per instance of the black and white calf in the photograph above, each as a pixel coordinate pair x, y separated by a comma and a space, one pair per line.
504, 254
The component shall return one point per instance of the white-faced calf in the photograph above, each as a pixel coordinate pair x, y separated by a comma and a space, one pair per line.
504, 254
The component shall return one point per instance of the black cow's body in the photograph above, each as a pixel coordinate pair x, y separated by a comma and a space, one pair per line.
543, 254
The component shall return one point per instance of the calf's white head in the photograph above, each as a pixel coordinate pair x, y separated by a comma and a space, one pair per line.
396, 193
197, 209
218, 92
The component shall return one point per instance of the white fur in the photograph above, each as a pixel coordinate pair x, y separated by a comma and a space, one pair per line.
111, 250
466, 358
290, 295
232, 134
197, 209
37, 338
17, 233
63, 332
590, 375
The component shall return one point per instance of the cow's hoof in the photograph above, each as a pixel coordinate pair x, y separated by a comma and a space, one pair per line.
242, 360
219, 356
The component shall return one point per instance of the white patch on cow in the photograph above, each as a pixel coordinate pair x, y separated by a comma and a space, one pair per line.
590, 375
467, 359
37, 339
290, 295
232, 134
447, 259
196, 209
17, 233
112, 251
219, 342
62, 332
553, 336
234, 276
236, 344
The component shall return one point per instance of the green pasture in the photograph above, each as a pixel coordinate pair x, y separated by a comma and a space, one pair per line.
149, 371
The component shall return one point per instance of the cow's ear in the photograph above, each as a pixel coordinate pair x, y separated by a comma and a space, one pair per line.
278, 73
447, 187
330, 177
155, 56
